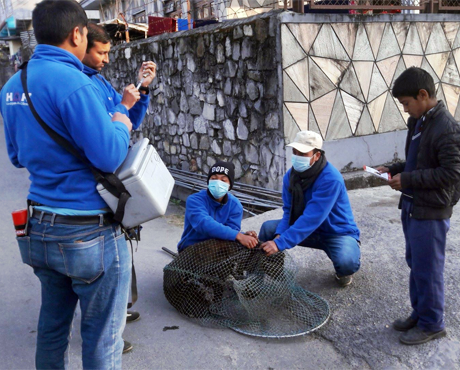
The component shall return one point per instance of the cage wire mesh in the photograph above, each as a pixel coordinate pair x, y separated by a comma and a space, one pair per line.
221, 283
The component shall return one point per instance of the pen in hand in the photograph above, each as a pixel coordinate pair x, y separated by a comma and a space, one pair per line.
142, 80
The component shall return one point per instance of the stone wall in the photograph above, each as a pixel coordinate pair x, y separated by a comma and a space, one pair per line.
217, 96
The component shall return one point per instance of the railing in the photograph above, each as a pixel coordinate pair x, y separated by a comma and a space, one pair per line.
449, 4
369, 4
380, 6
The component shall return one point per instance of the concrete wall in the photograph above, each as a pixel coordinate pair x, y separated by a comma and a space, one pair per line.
244, 8
217, 95
14, 46
6, 72
338, 72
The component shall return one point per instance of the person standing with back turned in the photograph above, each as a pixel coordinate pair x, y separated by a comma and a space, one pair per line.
76, 250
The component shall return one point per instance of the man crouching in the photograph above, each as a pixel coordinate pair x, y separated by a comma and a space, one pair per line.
317, 211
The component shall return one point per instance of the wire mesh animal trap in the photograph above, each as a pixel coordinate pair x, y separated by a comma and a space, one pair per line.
222, 283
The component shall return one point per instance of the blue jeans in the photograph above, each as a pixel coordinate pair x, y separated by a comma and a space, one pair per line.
425, 256
342, 250
86, 263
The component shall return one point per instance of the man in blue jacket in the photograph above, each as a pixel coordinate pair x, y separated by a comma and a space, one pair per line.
133, 102
317, 211
76, 250
215, 213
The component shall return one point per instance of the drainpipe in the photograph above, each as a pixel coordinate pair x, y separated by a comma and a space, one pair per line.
189, 16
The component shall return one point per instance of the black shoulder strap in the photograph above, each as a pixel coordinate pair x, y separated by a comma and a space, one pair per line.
54, 135
109, 180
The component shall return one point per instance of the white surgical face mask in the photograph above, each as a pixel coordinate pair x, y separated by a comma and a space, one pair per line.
218, 188
299, 163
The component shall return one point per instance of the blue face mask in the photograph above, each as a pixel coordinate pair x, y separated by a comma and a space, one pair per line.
300, 164
218, 188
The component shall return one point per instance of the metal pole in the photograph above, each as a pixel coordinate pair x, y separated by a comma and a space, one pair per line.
170, 252
189, 15
127, 27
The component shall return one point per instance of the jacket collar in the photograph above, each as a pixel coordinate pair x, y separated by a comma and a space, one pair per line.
214, 202
432, 113
56, 54
89, 71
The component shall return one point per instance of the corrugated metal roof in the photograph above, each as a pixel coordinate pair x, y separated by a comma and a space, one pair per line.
141, 27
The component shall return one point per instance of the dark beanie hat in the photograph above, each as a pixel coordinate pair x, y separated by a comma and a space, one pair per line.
223, 168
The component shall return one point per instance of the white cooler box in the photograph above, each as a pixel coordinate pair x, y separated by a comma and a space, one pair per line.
149, 182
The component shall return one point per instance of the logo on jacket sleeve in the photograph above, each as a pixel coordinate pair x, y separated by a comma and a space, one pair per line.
16, 98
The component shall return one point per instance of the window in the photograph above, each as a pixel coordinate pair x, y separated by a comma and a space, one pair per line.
203, 9
140, 17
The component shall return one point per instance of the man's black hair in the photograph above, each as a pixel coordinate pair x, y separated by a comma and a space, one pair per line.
53, 20
96, 33
411, 81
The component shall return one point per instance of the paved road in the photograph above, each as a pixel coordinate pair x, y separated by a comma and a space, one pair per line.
358, 335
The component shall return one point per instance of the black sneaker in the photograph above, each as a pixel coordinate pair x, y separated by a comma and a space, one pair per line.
419, 336
132, 316
127, 347
404, 324
344, 281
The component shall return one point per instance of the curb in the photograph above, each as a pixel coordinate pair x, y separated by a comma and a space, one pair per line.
360, 179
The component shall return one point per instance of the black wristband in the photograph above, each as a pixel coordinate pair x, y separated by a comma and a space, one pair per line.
144, 89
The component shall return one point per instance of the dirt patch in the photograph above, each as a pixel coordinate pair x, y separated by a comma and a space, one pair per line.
175, 219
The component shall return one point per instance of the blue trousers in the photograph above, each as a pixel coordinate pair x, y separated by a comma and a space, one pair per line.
425, 256
342, 250
86, 263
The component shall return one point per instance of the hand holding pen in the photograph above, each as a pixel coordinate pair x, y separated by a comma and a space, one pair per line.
131, 93
147, 73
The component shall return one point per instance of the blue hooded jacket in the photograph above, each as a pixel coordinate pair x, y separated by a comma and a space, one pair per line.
112, 98
327, 212
70, 104
206, 218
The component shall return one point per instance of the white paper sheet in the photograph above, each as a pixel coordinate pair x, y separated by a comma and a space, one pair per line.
385, 176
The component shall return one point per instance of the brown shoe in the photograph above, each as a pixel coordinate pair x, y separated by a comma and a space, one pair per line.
404, 324
344, 281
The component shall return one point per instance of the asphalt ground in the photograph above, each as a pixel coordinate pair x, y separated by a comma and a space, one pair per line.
357, 336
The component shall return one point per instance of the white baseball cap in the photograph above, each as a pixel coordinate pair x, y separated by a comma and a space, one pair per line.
306, 141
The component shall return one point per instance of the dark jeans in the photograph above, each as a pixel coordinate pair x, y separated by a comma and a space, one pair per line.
342, 250
425, 256
86, 263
